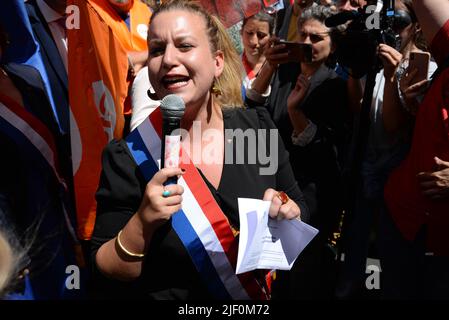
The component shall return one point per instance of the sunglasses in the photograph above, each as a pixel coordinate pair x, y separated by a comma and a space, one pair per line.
314, 37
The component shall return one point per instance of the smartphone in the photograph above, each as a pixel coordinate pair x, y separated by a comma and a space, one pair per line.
298, 52
420, 61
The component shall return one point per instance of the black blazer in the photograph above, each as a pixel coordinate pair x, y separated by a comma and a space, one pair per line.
318, 167
30, 84
57, 75
12, 183
30, 198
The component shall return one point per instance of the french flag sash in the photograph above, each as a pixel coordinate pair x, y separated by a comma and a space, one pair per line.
36, 140
201, 225
37, 146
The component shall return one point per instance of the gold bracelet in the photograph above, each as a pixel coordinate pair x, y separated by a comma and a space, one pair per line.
126, 251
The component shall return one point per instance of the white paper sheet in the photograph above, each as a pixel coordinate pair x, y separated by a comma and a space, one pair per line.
266, 243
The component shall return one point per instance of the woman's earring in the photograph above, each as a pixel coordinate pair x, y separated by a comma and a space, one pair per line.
216, 90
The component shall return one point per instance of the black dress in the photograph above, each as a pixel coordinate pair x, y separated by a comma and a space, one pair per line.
168, 272
319, 169
318, 166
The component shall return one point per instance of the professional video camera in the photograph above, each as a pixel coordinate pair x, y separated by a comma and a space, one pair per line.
368, 27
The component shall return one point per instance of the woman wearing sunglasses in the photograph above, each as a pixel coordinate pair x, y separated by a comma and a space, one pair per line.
308, 104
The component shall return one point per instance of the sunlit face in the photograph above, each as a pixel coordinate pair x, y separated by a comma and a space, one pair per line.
180, 60
255, 35
350, 4
316, 33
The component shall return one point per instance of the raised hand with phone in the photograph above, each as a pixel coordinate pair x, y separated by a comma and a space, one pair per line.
414, 81
280, 51
308, 104
405, 78
276, 52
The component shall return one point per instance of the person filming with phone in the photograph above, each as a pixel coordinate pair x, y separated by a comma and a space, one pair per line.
414, 246
395, 99
406, 71
308, 103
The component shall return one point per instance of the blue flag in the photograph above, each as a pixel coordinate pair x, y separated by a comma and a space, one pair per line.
23, 47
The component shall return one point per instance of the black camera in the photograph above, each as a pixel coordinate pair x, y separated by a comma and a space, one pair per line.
368, 27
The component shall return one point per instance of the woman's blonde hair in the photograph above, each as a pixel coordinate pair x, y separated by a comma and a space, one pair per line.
8, 263
229, 83
14, 259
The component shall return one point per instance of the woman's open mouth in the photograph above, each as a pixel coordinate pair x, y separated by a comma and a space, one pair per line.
174, 82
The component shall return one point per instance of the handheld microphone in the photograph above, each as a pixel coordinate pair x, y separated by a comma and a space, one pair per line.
172, 107
341, 18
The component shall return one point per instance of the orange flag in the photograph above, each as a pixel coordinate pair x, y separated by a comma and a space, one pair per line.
132, 37
98, 67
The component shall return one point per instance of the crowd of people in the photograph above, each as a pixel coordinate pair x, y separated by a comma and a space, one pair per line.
376, 189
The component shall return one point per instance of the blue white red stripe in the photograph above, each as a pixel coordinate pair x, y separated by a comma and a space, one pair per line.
21, 125
200, 224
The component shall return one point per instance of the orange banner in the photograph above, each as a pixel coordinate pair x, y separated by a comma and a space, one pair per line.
98, 67
134, 37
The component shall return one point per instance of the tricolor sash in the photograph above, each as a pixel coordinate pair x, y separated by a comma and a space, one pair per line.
36, 143
34, 137
201, 225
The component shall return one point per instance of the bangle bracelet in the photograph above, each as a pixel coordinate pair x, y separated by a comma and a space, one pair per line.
126, 251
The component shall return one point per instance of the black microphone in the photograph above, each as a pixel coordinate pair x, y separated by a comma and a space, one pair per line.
172, 107
341, 18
